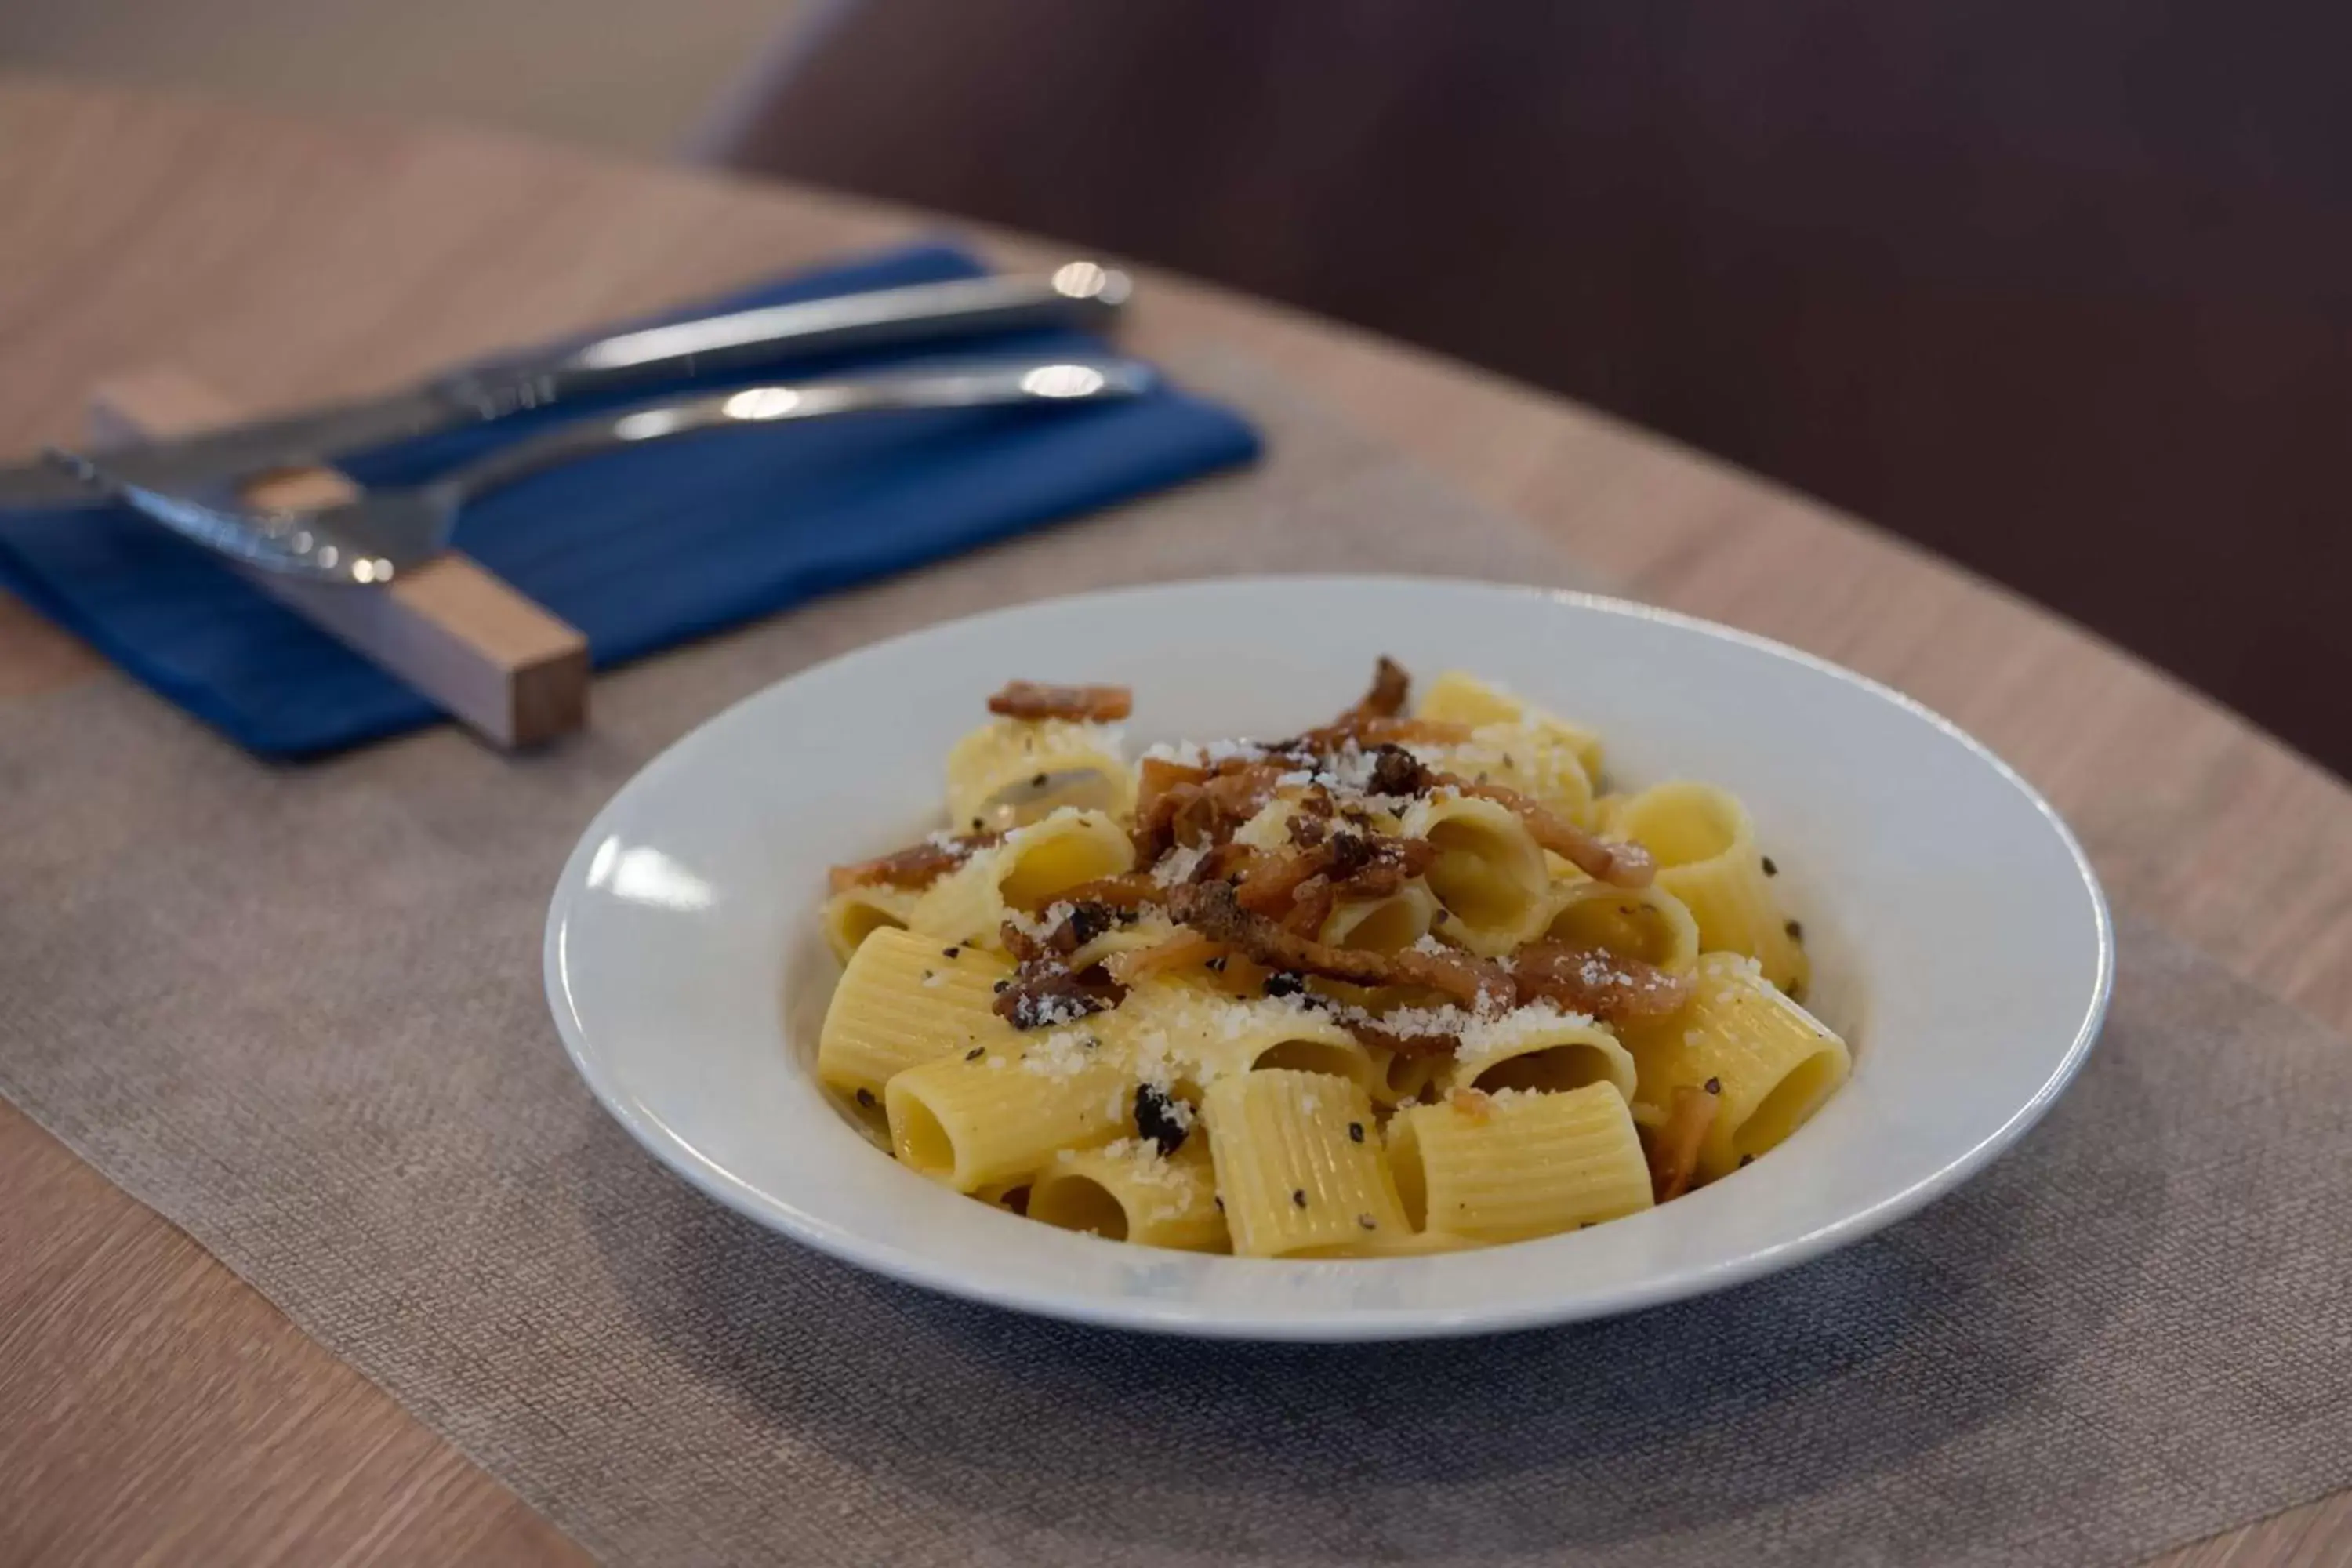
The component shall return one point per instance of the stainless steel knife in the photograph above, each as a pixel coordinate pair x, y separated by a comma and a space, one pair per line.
1079, 293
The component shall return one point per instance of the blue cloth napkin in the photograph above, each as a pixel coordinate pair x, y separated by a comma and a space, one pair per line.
641, 549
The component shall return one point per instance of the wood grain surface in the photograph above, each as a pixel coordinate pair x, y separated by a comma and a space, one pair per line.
163, 1411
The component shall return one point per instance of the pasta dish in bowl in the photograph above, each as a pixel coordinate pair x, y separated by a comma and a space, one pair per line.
1398, 983
1178, 1001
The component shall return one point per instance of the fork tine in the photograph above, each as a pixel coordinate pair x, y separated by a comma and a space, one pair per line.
291, 543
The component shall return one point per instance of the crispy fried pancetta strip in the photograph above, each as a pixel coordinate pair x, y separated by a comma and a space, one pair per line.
1203, 811
1045, 993
1087, 920
1226, 862
1393, 863
916, 866
1155, 776
1344, 866
1185, 950
1271, 883
1192, 821
1390, 686
1310, 905
1596, 983
1020, 945
1613, 861
1130, 890
1369, 730
1211, 909
1673, 1147
1242, 793
1035, 700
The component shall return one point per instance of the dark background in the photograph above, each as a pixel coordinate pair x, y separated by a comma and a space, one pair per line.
2063, 290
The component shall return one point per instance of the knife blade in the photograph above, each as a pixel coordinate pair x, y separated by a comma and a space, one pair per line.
1078, 293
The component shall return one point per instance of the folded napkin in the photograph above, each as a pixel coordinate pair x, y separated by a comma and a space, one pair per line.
640, 549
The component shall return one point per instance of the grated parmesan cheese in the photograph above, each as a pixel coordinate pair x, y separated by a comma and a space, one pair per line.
1177, 865
1062, 1055
1486, 1036
1042, 924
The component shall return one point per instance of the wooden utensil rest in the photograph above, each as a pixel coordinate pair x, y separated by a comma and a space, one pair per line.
489, 658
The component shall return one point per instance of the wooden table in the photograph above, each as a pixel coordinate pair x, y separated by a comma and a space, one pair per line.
159, 1409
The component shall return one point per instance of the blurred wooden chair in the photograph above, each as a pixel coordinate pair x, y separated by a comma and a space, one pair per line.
2063, 290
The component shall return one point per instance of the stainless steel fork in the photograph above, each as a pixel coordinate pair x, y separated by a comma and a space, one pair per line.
371, 540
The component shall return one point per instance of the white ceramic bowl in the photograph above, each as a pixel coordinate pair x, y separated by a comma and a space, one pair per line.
1960, 940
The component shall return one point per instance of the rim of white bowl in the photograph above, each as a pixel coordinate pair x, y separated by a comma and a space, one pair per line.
1187, 1320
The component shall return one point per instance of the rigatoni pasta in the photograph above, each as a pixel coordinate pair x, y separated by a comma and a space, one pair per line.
1507, 1166
903, 1001
849, 917
1190, 1034
983, 1116
1022, 872
1130, 1190
1645, 923
1539, 1048
1300, 1165
1404, 983
1014, 771
1387, 923
1706, 850
1768, 1063
1543, 762
1487, 872
1465, 699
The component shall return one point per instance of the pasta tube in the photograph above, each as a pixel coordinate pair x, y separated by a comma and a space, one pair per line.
1511, 1166
1300, 1165
1772, 1063
905, 1000
1705, 848
1011, 770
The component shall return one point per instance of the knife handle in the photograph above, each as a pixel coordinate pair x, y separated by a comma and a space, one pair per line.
1078, 294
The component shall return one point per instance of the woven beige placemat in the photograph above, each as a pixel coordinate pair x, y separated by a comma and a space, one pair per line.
299, 1012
